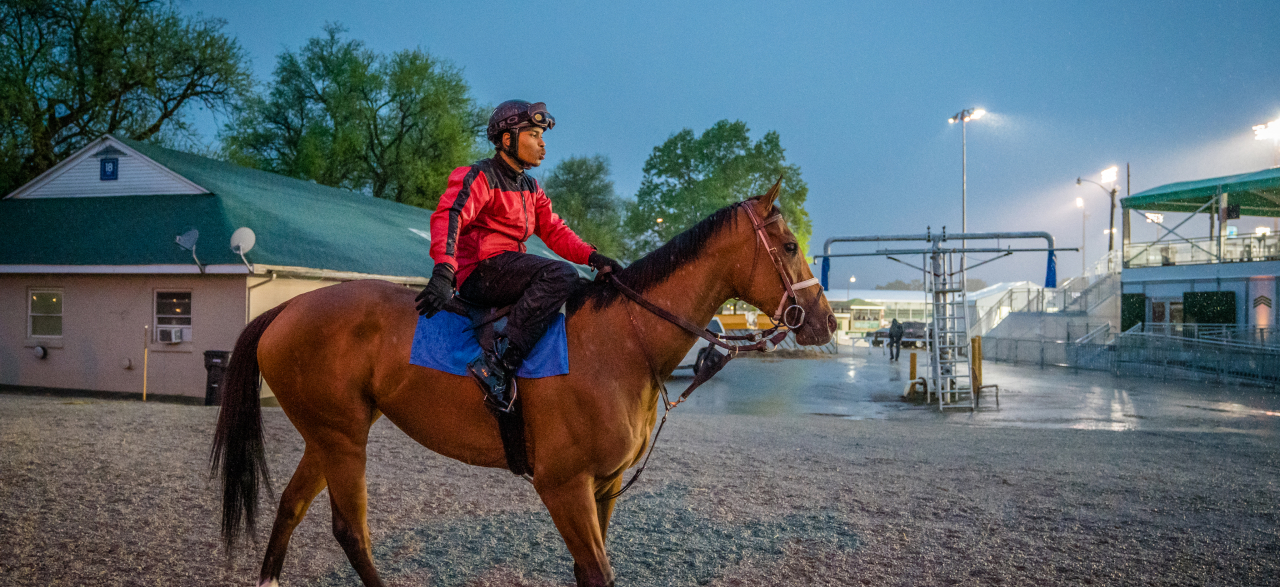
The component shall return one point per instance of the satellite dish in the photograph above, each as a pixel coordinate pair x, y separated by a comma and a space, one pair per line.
188, 239
242, 240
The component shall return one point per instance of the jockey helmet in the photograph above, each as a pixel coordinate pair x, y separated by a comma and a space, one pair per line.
514, 115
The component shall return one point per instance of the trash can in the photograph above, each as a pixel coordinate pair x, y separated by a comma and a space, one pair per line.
215, 364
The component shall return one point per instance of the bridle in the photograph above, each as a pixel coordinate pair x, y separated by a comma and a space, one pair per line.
783, 312
763, 341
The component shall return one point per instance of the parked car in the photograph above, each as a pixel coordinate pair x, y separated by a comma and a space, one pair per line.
918, 331
879, 337
693, 359
914, 335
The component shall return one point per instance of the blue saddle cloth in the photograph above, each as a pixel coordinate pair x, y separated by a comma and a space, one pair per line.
445, 342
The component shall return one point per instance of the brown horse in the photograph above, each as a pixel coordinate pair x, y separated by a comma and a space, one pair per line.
338, 358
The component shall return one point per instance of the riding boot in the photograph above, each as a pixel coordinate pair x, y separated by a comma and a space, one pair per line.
495, 371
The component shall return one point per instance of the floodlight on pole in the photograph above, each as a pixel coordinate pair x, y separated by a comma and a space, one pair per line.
1268, 131
1109, 175
963, 117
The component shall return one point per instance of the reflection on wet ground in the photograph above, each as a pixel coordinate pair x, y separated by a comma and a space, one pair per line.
866, 385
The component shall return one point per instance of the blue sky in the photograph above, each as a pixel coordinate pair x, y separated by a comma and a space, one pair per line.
860, 93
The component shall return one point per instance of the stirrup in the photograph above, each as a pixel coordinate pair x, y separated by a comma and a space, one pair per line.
498, 385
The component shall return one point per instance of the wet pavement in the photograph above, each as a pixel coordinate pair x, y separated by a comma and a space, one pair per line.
862, 384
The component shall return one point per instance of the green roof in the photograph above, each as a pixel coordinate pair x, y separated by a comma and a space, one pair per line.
1257, 193
297, 223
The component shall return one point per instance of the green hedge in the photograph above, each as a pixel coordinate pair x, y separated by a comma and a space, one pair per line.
1209, 307
1133, 309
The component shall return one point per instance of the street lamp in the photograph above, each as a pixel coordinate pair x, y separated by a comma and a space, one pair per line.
963, 117
1108, 176
848, 291
1084, 257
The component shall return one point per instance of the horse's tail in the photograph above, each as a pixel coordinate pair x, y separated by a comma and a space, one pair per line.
237, 453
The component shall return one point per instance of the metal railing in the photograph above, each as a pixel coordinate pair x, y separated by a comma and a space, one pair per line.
1137, 352
1200, 251
1149, 355
1232, 333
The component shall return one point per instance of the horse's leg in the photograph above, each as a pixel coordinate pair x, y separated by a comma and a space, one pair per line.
307, 481
573, 509
344, 465
604, 507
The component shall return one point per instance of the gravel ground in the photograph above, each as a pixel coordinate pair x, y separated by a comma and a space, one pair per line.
101, 492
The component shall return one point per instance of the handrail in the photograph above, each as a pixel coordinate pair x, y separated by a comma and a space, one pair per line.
1093, 333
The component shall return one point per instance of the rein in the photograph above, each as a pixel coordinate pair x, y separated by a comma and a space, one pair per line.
763, 341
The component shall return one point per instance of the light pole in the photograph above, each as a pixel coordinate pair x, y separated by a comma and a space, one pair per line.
963, 117
848, 291
1084, 236
1108, 176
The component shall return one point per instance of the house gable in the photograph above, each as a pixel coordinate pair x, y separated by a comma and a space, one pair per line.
84, 175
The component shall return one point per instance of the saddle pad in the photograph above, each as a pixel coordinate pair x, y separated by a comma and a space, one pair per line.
445, 342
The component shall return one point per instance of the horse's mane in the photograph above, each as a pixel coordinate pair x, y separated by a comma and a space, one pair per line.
654, 268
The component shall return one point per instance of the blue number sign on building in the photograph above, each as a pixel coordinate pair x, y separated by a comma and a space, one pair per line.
108, 168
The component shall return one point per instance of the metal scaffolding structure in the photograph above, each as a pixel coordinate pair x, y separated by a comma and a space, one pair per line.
945, 273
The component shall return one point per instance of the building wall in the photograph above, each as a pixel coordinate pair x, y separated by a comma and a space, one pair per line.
101, 347
1246, 280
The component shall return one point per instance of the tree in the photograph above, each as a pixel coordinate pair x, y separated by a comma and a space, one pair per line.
341, 115
688, 177
72, 70
972, 284
900, 285
582, 193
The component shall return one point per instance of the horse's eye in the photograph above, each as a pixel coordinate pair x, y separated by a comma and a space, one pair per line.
791, 248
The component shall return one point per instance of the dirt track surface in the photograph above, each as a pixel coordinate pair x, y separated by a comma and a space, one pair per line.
96, 492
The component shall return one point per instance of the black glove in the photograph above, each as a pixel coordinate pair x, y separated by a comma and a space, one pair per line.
603, 264
438, 291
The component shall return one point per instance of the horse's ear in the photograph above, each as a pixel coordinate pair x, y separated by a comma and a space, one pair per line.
767, 200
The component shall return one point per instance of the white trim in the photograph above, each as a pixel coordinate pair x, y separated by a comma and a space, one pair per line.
125, 269
84, 153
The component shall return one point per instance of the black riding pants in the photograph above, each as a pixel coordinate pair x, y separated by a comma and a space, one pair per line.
537, 286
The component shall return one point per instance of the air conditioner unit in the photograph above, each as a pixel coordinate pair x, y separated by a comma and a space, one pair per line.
171, 334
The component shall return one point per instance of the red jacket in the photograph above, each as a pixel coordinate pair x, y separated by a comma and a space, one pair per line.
490, 208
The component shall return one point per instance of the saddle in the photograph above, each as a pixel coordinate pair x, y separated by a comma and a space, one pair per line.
484, 320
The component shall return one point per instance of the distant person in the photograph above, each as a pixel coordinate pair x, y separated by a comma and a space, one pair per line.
895, 339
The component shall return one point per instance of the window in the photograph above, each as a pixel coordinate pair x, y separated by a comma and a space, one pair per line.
173, 316
44, 313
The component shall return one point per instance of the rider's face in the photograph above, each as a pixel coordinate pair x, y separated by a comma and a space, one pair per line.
532, 149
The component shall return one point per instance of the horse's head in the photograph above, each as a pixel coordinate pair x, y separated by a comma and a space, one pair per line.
776, 278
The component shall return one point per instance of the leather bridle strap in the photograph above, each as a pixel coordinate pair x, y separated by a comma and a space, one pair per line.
761, 343
779, 315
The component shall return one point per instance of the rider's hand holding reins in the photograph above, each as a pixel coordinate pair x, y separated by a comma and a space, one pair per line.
438, 291
602, 264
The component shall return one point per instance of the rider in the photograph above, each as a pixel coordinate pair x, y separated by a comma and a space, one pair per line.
478, 230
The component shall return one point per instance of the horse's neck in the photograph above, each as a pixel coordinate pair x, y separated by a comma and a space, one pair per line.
693, 292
